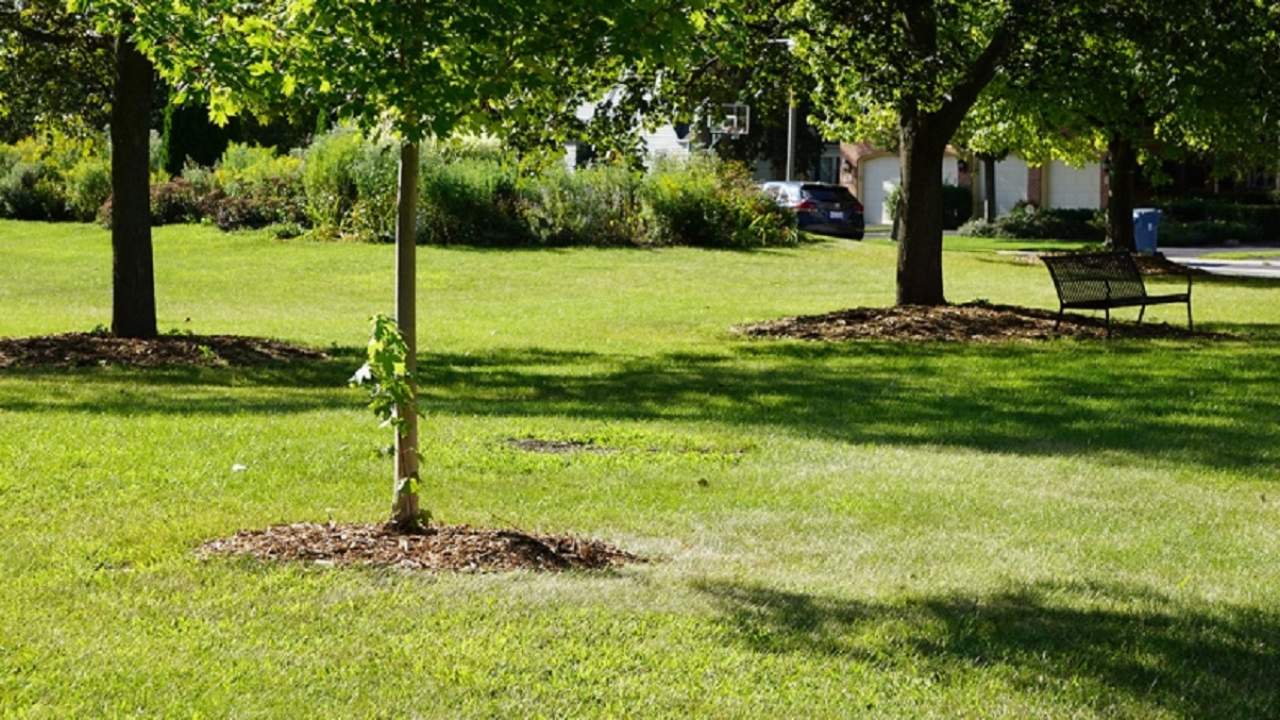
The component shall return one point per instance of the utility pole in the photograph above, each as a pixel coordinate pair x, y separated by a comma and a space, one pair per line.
791, 135
791, 115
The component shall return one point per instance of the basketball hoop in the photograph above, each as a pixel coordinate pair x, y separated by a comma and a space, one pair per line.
733, 121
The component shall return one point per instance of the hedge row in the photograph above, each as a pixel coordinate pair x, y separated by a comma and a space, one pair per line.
1186, 221
471, 192
1189, 221
1027, 222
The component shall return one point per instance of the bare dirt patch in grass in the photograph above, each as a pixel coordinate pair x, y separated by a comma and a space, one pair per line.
88, 349
455, 548
971, 322
558, 447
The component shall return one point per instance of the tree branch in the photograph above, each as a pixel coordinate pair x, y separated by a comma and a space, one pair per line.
11, 20
983, 70
922, 26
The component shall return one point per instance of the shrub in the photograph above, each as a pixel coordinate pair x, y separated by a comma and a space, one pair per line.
373, 175
245, 169
327, 176
1215, 217
9, 156
707, 203
1209, 232
201, 178
88, 185
599, 205
176, 201
469, 202
1026, 222
269, 203
32, 191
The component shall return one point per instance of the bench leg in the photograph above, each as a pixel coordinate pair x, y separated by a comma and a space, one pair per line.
1108, 312
1190, 324
1142, 311
1058, 322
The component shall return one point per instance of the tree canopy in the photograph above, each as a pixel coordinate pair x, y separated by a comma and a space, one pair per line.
55, 69
1142, 80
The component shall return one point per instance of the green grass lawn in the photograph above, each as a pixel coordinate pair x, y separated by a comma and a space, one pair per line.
1065, 529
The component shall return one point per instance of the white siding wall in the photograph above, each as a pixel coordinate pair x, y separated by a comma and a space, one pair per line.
1070, 187
663, 142
1011, 183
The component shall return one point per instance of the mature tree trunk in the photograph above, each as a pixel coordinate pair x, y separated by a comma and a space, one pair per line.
920, 251
924, 137
1124, 167
405, 512
989, 188
133, 307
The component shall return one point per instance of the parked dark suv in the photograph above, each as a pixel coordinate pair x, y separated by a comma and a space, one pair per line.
819, 207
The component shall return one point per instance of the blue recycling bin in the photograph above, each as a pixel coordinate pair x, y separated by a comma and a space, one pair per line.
1146, 223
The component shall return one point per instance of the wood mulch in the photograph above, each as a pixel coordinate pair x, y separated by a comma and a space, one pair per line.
978, 322
454, 548
88, 349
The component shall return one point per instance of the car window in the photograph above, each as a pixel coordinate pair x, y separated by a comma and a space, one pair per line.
828, 193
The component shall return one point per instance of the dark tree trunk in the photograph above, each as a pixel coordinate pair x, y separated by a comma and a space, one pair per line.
133, 302
920, 250
1124, 168
924, 138
989, 188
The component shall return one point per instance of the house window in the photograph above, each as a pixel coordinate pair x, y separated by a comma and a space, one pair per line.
829, 169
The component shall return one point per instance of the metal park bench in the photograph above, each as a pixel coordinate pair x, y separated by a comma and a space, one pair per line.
1102, 281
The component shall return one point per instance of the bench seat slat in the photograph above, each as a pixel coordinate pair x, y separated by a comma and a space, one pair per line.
1127, 302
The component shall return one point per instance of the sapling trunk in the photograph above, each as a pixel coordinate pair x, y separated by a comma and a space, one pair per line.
405, 512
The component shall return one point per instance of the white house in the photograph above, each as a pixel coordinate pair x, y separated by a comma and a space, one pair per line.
872, 173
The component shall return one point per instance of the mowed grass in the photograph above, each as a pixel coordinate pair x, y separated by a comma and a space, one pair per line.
1063, 529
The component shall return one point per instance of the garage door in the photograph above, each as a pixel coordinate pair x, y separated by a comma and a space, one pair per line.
1011, 184
1070, 187
880, 176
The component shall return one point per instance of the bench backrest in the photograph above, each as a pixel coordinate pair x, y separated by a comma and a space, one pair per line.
1095, 276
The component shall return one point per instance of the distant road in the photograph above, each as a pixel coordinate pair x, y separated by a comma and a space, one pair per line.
1194, 257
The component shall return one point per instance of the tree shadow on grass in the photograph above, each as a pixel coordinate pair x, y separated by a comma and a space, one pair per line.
1198, 404
1116, 641
1202, 403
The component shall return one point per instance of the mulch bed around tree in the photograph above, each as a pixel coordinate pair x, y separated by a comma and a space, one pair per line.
457, 548
972, 322
88, 349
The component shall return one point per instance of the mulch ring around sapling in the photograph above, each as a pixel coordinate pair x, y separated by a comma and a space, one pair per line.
450, 548
89, 349
971, 322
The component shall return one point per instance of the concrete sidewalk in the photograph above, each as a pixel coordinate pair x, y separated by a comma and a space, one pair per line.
1194, 257
1268, 269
